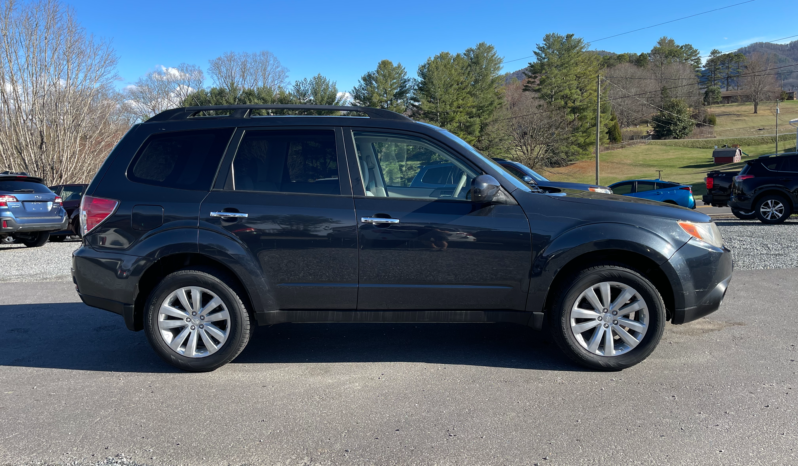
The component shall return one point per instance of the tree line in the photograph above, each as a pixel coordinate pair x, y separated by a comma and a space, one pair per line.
60, 112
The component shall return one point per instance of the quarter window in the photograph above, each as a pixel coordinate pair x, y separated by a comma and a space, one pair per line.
293, 161
183, 160
408, 167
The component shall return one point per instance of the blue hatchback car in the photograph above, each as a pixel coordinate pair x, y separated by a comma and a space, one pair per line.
657, 190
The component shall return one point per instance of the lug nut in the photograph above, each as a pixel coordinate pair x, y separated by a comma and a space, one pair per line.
202, 326
202, 317
192, 327
605, 310
598, 318
194, 313
188, 319
615, 322
615, 313
606, 325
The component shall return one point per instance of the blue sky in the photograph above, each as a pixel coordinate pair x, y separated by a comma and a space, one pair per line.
343, 40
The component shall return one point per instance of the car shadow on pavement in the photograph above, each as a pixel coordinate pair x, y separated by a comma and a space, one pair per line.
73, 336
495, 345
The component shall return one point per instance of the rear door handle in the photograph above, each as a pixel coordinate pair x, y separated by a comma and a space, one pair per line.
379, 220
229, 214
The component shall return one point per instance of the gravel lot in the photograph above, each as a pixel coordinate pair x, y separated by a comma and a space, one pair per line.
755, 246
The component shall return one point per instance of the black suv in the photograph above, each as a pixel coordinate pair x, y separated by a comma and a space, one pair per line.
205, 221
768, 186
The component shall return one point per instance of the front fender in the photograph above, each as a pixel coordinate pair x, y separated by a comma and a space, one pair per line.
593, 238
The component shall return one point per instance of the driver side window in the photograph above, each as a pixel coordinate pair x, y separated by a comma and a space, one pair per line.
401, 166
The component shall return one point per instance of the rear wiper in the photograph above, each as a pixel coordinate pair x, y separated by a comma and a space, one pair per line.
26, 191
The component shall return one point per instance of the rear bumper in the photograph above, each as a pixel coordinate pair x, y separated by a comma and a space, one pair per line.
14, 226
741, 204
717, 201
109, 281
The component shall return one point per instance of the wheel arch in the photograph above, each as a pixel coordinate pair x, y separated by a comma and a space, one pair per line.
772, 191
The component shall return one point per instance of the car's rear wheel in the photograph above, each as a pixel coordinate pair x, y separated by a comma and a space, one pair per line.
196, 319
744, 215
608, 317
773, 209
32, 240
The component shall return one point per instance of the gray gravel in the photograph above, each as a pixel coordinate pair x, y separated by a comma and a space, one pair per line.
49, 262
755, 246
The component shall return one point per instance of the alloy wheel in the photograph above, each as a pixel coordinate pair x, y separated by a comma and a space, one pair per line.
193, 322
772, 209
609, 319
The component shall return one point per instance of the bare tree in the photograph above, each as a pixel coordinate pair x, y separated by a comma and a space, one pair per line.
59, 113
534, 130
759, 80
248, 71
162, 89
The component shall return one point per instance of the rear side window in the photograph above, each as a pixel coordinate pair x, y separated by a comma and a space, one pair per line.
182, 160
23, 187
72, 193
290, 161
643, 186
666, 185
623, 188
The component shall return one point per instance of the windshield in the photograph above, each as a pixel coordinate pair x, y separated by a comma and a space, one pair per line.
528, 171
518, 183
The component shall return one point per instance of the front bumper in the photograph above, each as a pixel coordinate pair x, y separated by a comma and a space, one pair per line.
12, 225
700, 275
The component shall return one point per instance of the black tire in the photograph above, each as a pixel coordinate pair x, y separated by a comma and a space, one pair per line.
567, 296
33, 240
744, 215
57, 238
241, 322
773, 201
76, 227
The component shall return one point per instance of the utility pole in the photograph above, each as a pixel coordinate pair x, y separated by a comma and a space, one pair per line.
777, 127
598, 124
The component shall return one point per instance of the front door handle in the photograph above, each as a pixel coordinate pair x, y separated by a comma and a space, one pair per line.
229, 214
379, 220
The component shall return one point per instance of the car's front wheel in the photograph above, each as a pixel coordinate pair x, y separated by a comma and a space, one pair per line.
608, 317
32, 240
744, 215
773, 209
196, 319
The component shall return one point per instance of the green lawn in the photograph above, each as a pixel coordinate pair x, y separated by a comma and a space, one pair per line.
680, 164
736, 120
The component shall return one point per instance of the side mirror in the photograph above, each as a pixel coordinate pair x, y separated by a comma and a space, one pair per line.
484, 188
529, 179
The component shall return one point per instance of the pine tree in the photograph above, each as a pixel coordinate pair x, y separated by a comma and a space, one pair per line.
387, 87
317, 90
614, 130
484, 70
443, 97
564, 76
673, 121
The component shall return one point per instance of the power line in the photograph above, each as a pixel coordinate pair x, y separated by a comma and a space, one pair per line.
649, 27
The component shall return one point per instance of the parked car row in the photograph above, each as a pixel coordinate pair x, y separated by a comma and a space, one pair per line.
766, 188
31, 213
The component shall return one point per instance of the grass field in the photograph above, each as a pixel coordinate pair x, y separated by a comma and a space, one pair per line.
683, 164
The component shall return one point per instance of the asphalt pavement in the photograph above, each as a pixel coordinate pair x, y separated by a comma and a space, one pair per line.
76, 386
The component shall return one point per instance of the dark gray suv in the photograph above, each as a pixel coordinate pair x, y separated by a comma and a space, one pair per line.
205, 221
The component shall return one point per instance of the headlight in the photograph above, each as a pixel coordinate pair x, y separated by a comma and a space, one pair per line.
596, 189
706, 232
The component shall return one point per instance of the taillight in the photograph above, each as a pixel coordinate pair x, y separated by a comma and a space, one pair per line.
57, 202
710, 182
742, 177
94, 211
5, 199
687, 188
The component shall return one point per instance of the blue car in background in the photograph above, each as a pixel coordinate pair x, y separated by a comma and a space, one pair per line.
657, 190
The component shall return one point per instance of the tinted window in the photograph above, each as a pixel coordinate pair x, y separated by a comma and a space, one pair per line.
407, 167
515, 171
287, 161
622, 188
666, 185
23, 186
643, 186
183, 160
72, 193
781, 164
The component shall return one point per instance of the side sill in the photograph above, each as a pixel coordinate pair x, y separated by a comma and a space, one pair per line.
400, 316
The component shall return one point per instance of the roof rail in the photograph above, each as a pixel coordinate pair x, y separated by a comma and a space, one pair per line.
245, 111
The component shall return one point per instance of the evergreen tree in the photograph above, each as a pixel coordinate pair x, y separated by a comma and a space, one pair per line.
614, 130
387, 87
317, 90
486, 80
443, 97
673, 121
712, 95
564, 76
